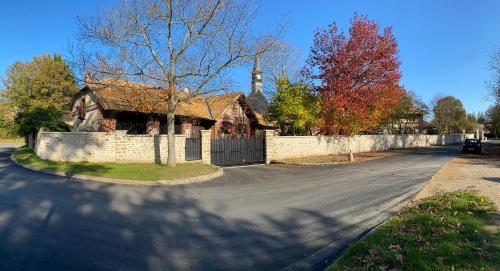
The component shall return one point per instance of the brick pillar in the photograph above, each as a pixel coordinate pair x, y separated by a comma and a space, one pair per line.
187, 126
269, 145
215, 129
153, 126
206, 150
108, 124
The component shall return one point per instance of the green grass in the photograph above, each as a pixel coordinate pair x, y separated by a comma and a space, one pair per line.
142, 172
11, 140
453, 231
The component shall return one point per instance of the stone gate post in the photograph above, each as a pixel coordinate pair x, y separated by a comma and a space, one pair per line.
268, 145
206, 137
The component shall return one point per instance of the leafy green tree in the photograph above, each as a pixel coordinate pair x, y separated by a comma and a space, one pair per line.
294, 108
31, 120
493, 119
450, 115
471, 117
7, 125
481, 118
42, 82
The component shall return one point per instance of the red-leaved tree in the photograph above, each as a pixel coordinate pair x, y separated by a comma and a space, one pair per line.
358, 76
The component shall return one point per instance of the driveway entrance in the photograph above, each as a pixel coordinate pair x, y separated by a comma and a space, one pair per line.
241, 151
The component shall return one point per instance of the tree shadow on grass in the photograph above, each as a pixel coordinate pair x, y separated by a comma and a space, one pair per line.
87, 169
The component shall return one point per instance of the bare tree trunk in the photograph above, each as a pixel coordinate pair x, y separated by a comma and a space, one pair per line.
171, 138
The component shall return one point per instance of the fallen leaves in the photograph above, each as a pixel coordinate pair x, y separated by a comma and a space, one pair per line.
399, 258
394, 248
373, 252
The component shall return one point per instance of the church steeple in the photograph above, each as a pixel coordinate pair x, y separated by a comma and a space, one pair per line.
256, 76
256, 98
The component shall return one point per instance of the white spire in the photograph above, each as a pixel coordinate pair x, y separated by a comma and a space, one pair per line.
256, 76
256, 63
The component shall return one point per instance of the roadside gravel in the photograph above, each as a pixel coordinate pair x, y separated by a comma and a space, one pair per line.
469, 172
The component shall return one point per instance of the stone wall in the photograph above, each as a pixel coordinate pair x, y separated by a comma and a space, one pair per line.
282, 147
120, 147
115, 146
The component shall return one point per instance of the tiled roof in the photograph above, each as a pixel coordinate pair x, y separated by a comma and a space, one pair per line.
219, 103
426, 124
262, 121
120, 95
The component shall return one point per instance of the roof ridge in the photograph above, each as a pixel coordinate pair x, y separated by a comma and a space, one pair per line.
208, 107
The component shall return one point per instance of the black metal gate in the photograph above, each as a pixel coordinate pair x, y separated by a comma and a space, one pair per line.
193, 149
228, 151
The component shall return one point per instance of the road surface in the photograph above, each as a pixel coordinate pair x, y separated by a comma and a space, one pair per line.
252, 218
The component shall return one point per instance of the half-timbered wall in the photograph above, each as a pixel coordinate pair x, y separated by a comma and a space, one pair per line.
233, 123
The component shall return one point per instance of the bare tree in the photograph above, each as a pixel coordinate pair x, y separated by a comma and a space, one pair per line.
282, 60
174, 44
494, 83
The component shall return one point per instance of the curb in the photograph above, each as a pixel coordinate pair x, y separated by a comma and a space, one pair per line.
190, 180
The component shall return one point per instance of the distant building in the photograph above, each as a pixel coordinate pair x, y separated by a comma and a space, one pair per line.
413, 123
479, 130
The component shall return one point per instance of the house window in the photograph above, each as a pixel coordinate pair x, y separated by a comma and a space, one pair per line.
82, 109
241, 129
177, 129
225, 128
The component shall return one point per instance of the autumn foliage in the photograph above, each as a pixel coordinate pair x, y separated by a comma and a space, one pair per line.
358, 76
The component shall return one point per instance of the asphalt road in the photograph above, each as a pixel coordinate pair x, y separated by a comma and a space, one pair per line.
252, 218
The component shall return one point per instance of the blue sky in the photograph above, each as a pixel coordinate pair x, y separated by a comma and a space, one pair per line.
444, 45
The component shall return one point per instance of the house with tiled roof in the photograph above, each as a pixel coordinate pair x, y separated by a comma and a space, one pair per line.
114, 104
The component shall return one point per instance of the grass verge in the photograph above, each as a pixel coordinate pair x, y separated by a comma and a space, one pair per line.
141, 172
317, 159
11, 140
453, 231
341, 158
